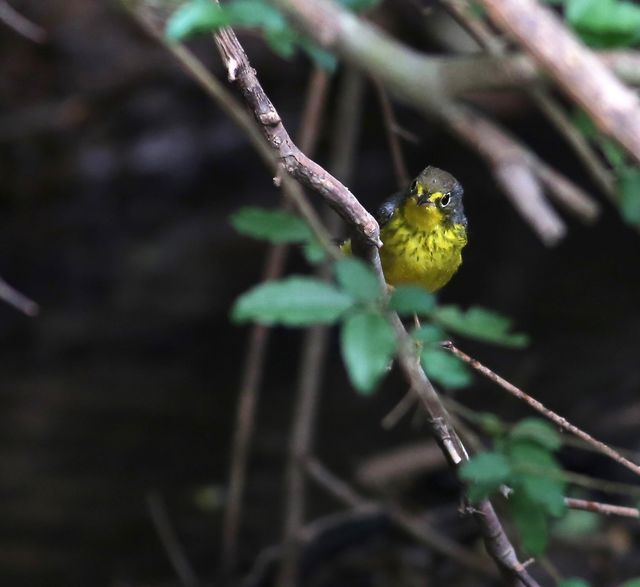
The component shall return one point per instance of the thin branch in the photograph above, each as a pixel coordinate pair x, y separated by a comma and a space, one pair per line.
314, 347
390, 125
296, 163
169, 540
419, 531
540, 408
13, 19
614, 108
18, 300
606, 509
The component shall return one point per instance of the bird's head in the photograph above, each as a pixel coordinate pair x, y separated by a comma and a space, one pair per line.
435, 197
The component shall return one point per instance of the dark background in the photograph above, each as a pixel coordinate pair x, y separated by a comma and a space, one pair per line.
118, 177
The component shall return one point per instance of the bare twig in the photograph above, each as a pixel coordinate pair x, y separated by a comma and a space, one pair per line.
295, 162
421, 532
606, 509
18, 300
540, 408
169, 540
13, 19
390, 124
614, 108
314, 347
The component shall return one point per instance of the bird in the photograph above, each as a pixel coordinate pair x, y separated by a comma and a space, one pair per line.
423, 230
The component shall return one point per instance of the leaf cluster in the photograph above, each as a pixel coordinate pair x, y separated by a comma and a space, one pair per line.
523, 461
358, 301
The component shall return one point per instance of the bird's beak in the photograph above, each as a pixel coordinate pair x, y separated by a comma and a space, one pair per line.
425, 201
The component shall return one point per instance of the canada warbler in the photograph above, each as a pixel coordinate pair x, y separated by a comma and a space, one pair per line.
423, 230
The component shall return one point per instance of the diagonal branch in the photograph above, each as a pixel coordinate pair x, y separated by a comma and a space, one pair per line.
614, 108
296, 163
542, 409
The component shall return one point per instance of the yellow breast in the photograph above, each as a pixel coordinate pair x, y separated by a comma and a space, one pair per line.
426, 255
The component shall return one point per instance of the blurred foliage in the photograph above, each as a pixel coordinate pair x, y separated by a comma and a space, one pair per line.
523, 460
627, 174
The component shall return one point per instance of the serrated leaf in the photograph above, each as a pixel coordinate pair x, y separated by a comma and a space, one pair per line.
629, 194
411, 299
368, 344
480, 324
357, 278
276, 226
539, 431
531, 522
295, 301
444, 368
428, 333
573, 582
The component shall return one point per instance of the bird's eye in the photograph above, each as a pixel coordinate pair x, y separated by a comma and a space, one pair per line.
414, 186
444, 200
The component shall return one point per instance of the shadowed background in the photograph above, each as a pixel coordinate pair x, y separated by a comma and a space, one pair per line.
118, 177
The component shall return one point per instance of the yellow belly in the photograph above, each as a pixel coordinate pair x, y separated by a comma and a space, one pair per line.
413, 256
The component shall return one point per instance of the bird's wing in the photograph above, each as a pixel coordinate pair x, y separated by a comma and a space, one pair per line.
389, 206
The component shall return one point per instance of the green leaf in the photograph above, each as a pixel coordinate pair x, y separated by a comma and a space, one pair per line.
444, 368
411, 299
480, 324
629, 193
545, 492
295, 301
485, 473
368, 344
537, 475
276, 226
313, 251
491, 424
605, 23
428, 333
531, 522
539, 431
357, 278
531, 457
320, 56
577, 523
631, 583
573, 582
195, 17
